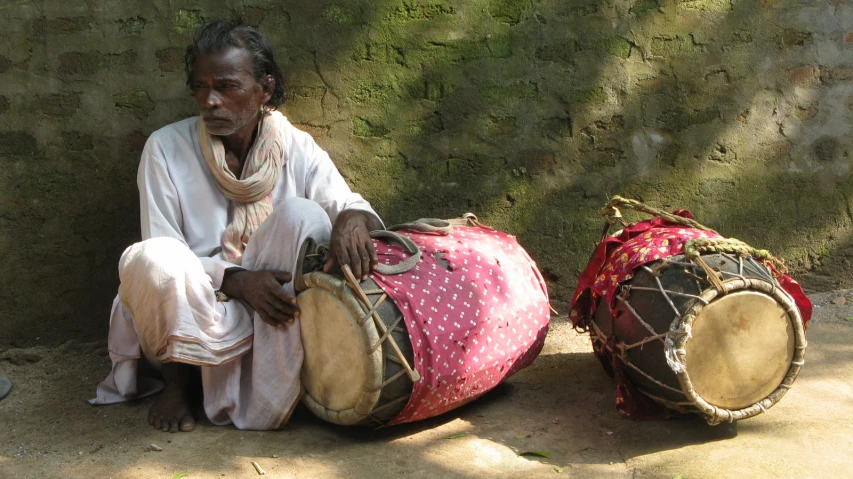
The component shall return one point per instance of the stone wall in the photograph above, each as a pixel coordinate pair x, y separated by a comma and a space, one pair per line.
530, 113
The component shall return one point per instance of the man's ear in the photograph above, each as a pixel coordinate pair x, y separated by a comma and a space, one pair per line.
268, 87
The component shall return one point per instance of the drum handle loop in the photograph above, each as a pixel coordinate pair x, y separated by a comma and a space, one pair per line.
380, 325
317, 253
611, 213
426, 225
423, 225
435, 225
408, 245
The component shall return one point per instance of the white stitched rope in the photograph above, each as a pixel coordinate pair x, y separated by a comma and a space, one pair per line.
669, 350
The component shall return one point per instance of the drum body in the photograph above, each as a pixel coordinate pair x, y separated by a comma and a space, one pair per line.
471, 311
726, 354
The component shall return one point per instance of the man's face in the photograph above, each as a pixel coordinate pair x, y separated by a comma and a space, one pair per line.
226, 91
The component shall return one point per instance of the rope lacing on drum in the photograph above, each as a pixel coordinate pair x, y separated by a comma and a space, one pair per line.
390, 380
739, 261
414, 376
623, 356
676, 405
370, 312
739, 275
388, 405
693, 249
674, 293
640, 319
387, 333
665, 295
650, 378
668, 339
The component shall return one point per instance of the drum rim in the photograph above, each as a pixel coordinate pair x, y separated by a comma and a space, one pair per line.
372, 391
679, 334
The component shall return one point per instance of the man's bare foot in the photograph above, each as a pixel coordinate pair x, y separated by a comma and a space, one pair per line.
170, 411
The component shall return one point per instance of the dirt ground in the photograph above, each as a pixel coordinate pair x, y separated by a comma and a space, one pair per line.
563, 405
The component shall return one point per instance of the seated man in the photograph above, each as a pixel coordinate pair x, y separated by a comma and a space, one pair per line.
227, 199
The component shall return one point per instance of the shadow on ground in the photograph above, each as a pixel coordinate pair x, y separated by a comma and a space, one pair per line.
562, 405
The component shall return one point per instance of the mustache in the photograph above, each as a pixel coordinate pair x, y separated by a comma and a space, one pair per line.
215, 117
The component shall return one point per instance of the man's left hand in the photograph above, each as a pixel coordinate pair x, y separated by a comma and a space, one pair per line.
351, 243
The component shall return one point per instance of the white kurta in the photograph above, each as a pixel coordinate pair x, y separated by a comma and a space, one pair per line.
179, 199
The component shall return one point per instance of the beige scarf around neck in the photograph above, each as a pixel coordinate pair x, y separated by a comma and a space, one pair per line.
252, 195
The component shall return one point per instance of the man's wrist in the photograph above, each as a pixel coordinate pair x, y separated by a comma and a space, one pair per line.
231, 283
370, 220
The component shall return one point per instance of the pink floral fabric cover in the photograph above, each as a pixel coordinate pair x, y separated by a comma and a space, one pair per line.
473, 322
616, 258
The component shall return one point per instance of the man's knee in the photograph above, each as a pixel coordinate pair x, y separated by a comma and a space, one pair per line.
163, 255
153, 252
157, 275
294, 216
276, 242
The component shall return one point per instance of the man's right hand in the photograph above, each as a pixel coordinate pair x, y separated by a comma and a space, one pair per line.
263, 292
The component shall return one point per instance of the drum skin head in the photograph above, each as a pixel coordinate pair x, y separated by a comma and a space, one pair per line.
740, 349
336, 364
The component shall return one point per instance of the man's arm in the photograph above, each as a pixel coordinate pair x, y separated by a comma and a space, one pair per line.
352, 216
159, 207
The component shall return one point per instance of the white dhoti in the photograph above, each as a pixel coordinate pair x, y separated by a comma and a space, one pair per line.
167, 309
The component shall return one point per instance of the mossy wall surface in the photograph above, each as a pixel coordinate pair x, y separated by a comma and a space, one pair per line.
530, 113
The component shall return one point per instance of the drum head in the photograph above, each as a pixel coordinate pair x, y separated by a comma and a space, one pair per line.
741, 347
338, 371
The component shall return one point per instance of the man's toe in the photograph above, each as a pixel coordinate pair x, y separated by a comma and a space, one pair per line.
173, 424
187, 424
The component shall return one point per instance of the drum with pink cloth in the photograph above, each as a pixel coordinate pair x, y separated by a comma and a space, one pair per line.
689, 321
467, 309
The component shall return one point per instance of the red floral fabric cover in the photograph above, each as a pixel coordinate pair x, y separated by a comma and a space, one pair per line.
614, 262
472, 323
